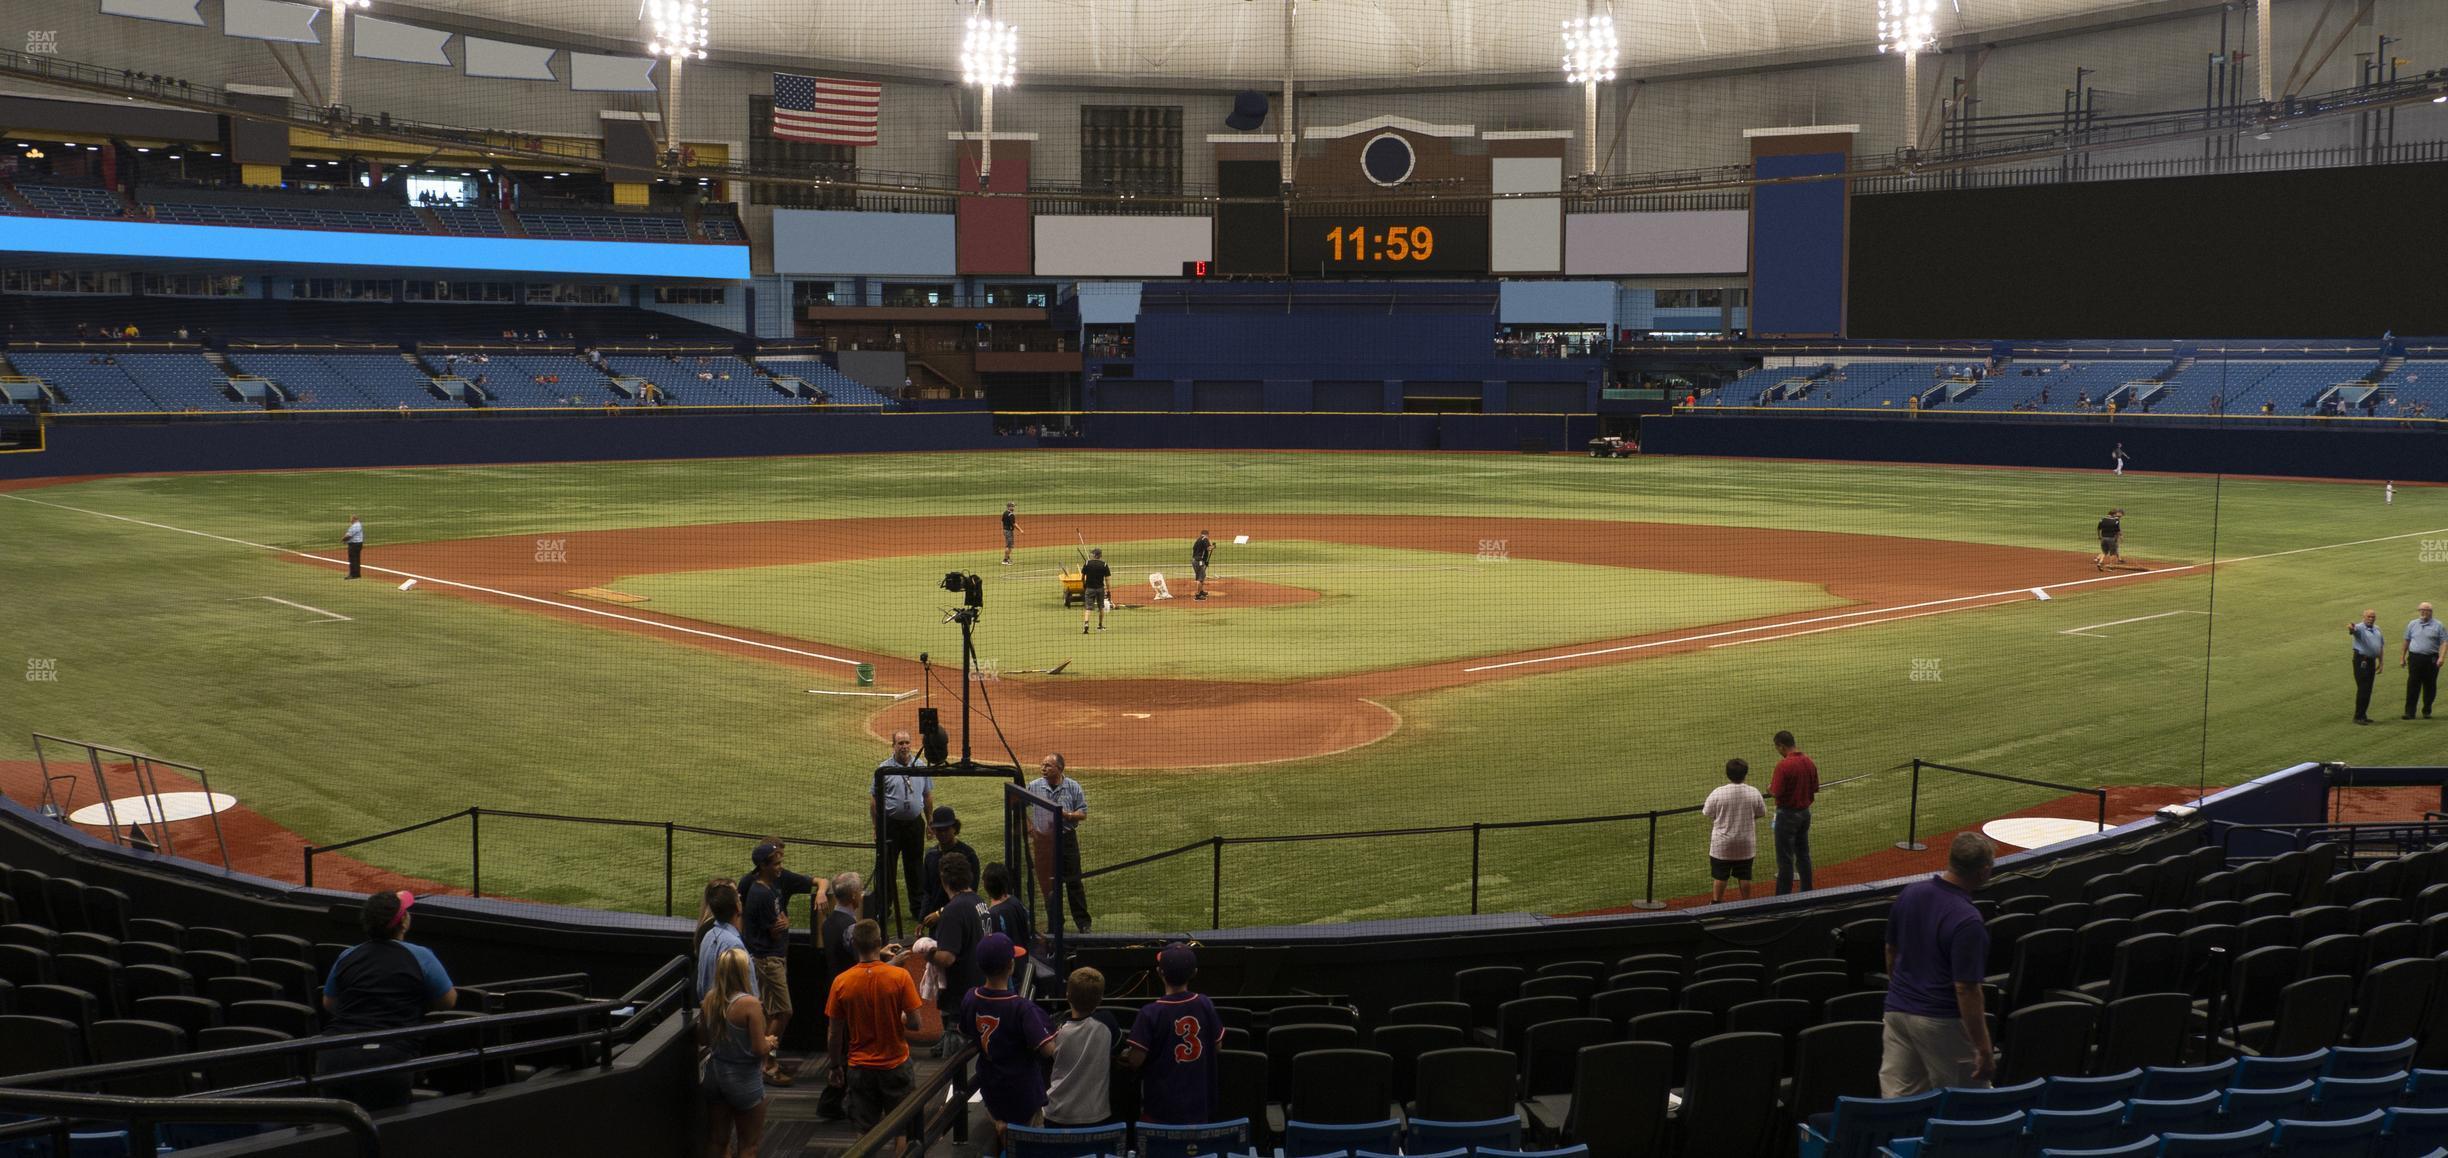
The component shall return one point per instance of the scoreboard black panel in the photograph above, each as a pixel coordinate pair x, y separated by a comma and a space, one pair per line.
1387, 244
1250, 235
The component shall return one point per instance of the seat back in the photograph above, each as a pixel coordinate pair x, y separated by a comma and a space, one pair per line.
1405, 1043
2047, 1039
1551, 1052
2194, 1115
2415, 1130
1731, 1078
2269, 1073
32, 1044
1337, 1087
2391, 1000
113, 1040
1861, 1005
2083, 1093
1486, 987
193, 1014
1514, 1018
2144, 1030
1619, 1097
1454, 1013
2311, 1014
1241, 1076
1970, 1103
1678, 1028
1286, 1042
1314, 1015
1972, 1137
1620, 1006
1815, 988
1839, 1059
2043, 961
1717, 996
1465, 1085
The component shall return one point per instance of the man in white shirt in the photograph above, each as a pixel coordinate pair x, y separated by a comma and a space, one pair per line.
1733, 811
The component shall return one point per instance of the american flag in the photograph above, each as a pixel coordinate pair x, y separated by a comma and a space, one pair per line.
820, 108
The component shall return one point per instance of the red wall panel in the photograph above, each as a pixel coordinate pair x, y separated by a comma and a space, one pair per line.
995, 234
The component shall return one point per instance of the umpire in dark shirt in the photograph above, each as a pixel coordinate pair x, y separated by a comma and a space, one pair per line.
2369, 646
1199, 553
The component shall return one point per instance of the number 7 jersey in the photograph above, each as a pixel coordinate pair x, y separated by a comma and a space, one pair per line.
1179, 1076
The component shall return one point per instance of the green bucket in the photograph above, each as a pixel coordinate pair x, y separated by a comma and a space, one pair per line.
866, 675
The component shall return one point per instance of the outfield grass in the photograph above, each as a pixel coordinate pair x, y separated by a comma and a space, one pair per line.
1365, 597
424, 703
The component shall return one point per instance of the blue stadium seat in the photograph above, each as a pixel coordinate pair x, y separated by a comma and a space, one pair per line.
2409, 1132
1859, 1126
1079, 1142
2337, 1098
1981, 1102
2427, 1089
2195, 1115
2175, 1083
1174, 1141
87, 381
2144, 1148
72, 200
1308, 1139
2337, 1138
1960, 1138
1493, 1133
2369, 1061
2075, 1129
2269, 1073
2232, 1144
2080, 1093
1565, 1152
2246, 1107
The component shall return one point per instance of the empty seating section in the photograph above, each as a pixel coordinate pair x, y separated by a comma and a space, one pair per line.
720, 228
536, 378
72, 200
1752, 387
387, 380
604, 226
2420, 381
699, 379
364, 220
2242, 385
841, 389
2019, 384
308, 382
87, 381
182, 381
470, 220
85, 981
1874, 384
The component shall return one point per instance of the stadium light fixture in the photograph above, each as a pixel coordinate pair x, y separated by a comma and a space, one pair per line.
680, 35
1910, 28
339, 44
1590, 51
990, 59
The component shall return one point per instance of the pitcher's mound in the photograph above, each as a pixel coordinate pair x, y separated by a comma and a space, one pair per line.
1220, 593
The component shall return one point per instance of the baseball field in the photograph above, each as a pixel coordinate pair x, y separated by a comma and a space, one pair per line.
1401, 641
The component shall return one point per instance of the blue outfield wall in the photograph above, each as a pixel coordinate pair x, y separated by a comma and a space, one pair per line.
2237, 446
307, 443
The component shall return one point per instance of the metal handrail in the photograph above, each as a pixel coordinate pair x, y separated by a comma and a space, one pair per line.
55, 1110
910, 1119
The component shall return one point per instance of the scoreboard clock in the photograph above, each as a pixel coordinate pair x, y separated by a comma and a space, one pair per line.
1381, 244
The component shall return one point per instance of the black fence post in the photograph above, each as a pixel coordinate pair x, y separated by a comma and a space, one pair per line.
667, 868
309, 877
475, 851
1215, 885
2103, 810
1474, 868
1912, 815
1649, 891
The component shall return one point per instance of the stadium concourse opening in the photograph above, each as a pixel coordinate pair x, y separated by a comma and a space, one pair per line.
1156, 723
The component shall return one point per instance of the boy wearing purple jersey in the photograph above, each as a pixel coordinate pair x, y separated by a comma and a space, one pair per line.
1174, 1044
1012, 1033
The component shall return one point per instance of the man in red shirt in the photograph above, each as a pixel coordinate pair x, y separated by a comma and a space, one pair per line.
1794, 784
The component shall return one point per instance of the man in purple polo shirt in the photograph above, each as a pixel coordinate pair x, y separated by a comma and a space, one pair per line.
1937, 1030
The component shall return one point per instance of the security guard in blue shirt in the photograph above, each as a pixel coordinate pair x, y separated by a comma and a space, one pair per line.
2426, 647
2369, 646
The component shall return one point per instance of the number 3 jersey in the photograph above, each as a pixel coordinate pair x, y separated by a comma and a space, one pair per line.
1181, 1037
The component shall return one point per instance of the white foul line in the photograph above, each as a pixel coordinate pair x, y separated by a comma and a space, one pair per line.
450, 583
1930, 603
1848, 626
2085, 629
303, 607
878, 695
